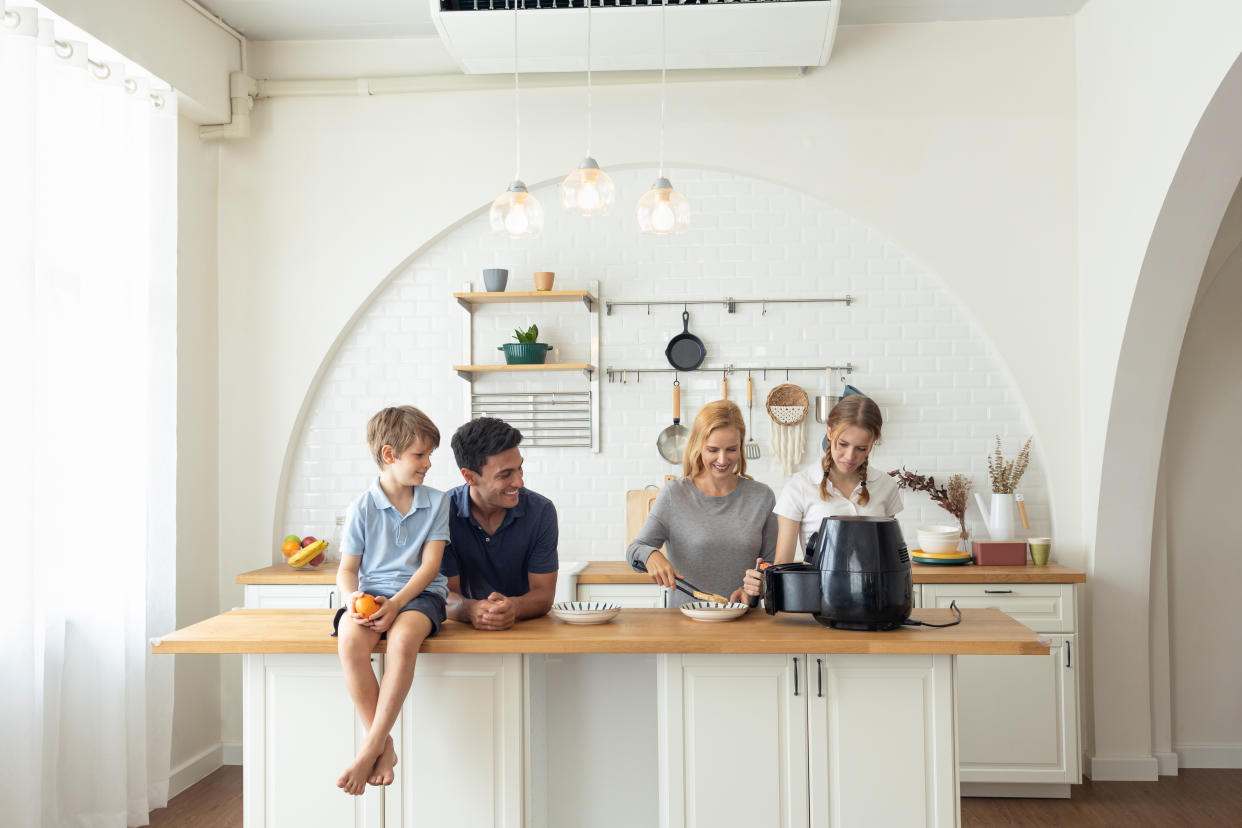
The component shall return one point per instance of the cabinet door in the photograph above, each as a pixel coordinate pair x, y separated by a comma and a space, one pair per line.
733, 749
630, 596
1042, 607
291, 780
881, 741
459, 739
1018, 716
290, 596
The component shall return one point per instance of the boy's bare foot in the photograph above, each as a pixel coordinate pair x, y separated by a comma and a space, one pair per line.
354, 779
382, 773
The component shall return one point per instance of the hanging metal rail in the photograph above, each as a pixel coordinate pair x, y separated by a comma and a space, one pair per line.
729, 303
622, 374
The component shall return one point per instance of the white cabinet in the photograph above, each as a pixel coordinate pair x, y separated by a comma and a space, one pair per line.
1018, 715
629, 596
291, 780
291, 596
458, 742
765, 740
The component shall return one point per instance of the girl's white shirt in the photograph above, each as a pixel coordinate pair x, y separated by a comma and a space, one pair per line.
800, 500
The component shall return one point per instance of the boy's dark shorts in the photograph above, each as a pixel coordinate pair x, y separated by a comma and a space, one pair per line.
428, 603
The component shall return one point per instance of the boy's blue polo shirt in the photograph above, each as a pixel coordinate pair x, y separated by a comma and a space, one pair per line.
525, 542
391, 544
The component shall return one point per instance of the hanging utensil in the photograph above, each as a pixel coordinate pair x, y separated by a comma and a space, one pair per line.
787, 406
672, 440
685, 351
724, 387
752, 448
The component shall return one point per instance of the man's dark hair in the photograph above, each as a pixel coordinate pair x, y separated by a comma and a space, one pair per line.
480, 439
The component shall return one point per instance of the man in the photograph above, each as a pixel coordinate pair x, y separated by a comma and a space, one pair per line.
501, 558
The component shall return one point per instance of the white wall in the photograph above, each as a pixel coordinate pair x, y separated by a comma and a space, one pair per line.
1159, 155
196, 719
953, 141
939, 382
1202, 454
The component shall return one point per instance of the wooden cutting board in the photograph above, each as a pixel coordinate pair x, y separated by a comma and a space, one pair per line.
638, 503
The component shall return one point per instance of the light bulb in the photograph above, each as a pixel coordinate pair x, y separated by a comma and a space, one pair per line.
516, 213
588, 191
662, 210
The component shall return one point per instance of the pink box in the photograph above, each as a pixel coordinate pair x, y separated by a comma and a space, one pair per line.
999, 553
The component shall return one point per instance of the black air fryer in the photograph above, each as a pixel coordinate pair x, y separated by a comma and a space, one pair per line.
856, 576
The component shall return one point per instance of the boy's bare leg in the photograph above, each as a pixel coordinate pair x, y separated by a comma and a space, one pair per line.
376, 758
354, 645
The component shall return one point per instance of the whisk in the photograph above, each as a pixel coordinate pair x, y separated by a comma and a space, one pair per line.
752, 448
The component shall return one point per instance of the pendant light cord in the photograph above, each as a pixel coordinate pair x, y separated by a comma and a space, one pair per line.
588, 61
517, 111
663, 69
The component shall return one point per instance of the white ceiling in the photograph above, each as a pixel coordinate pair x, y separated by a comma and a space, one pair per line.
368, 19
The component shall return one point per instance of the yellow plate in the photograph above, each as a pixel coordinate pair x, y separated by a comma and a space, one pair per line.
919, 553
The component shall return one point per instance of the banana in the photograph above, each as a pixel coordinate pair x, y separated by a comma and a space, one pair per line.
307, 554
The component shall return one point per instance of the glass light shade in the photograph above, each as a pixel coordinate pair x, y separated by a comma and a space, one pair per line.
588, 191
516, 213
662, 210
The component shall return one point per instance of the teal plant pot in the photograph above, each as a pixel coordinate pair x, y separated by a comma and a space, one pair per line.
525, 353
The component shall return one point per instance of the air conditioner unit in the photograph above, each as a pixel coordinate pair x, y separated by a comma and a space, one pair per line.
702, 34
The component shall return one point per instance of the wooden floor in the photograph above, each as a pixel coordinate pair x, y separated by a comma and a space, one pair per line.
1193, 798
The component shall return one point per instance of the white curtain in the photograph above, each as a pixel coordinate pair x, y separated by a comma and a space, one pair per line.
87, 447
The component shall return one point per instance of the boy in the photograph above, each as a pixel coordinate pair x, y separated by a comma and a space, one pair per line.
391, 548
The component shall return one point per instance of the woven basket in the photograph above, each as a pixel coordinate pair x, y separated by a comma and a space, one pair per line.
787, 404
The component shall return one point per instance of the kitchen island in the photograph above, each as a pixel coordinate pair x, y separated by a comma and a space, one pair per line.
768, 720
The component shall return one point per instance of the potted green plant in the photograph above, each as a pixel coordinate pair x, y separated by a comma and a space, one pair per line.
527, 350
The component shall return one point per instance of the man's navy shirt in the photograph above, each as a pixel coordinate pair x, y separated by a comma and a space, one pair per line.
524, 542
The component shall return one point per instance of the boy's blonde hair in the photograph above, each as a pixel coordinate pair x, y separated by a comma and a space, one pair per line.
399, 426
714, 415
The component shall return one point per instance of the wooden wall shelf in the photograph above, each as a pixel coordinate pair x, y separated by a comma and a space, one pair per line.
468, 371
469, 300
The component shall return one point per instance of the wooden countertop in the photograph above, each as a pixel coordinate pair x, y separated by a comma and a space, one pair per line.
619, 572
982, 632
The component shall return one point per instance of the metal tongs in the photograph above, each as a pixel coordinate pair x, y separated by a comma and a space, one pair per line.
689, 588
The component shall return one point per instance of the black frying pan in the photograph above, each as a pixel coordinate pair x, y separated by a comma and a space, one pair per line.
685, 352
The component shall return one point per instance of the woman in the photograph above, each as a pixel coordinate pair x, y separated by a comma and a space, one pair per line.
715, 521
843, 485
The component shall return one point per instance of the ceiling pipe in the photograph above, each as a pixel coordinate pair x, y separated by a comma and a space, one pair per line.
242, 90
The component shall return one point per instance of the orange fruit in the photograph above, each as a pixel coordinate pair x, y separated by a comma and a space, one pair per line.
365, 605
289, 547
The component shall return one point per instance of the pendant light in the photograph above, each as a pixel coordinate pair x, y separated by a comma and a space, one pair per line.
515, 212
588, 191
662, 210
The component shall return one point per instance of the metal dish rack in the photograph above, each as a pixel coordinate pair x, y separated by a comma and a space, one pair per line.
560, 419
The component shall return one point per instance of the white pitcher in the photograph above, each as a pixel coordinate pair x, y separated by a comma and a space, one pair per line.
1000, 517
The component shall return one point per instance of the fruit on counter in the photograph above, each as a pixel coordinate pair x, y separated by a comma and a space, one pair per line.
289, 547
365, 605
293, 538
307, 554
308, 540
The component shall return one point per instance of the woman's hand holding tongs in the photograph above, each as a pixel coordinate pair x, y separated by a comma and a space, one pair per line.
752, 583
661, 571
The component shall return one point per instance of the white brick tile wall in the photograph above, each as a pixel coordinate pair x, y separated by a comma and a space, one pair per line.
937, 379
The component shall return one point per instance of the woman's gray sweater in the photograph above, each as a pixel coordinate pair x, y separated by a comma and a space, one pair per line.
711, 541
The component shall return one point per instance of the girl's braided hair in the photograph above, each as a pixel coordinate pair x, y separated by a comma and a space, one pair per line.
855, 410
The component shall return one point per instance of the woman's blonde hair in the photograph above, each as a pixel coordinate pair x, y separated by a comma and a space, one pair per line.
399, 426
858, 411
714, 415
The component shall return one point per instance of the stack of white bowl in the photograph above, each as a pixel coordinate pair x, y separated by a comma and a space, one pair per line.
940, 539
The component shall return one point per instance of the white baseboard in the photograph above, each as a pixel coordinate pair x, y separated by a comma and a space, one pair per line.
194, 769
1167, 762
232, 753
1124, 769
1024, 790
1209, 756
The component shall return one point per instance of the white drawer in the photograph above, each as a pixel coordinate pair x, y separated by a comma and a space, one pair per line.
629, 596
1045, 608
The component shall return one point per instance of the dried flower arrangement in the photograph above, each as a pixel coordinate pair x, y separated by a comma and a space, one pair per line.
1005, 474
950, 497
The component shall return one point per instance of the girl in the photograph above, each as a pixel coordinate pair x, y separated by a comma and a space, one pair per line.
715, 521
843, 485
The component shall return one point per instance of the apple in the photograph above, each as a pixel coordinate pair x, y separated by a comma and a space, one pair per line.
293, 538
308, 540
318, 559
